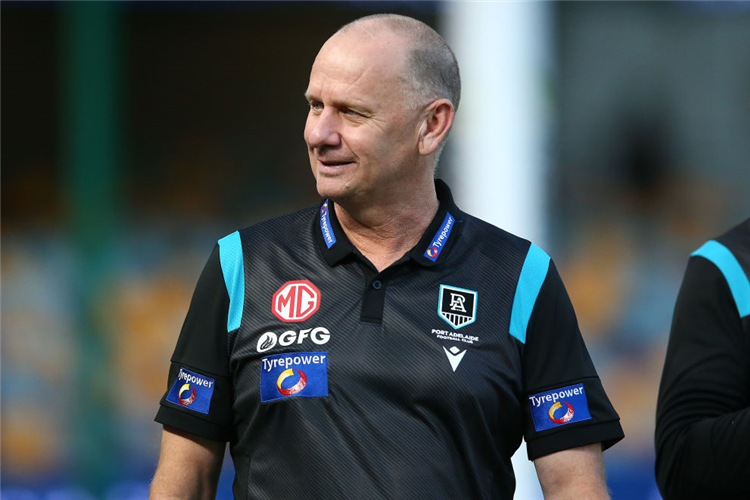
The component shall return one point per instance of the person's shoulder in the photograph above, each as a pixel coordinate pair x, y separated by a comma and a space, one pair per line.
727, 255
734, 244
282, 227
737, 239
496, 242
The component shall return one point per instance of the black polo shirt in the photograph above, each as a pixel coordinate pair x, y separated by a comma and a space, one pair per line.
703, 414
332, 380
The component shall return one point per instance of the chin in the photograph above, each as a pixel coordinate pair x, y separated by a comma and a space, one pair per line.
332, 188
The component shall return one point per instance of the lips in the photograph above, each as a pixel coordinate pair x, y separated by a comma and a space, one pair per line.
334, 163
329, 167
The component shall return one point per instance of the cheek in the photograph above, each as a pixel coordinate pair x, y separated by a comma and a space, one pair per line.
370, 142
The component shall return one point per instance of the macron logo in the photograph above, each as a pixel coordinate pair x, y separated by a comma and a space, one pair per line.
455, 355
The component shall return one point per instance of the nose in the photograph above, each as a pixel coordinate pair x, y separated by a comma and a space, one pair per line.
323, 129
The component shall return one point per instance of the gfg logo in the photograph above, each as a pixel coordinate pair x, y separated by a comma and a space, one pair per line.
269, 340
295, 301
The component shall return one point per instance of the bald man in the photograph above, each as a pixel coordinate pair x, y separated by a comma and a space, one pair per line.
381, 344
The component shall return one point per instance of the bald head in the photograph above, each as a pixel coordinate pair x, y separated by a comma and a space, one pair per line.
379, 110
430, 69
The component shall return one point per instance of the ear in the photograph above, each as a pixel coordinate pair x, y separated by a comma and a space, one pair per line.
438, 119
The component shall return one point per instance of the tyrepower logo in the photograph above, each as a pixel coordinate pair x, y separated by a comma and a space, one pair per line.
296, 301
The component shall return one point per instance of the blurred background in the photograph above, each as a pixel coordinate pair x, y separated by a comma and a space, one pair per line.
136, 134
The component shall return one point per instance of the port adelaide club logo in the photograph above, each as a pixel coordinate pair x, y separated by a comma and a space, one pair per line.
457, 306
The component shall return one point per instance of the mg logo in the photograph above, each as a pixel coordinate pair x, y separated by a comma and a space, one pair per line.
296, 301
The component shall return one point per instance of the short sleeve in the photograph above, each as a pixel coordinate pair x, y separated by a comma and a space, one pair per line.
565, 404
198, 399
702, 417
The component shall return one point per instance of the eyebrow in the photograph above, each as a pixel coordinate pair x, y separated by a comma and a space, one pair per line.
361, 108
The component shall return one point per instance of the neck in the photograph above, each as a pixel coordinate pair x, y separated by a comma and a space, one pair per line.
384, 233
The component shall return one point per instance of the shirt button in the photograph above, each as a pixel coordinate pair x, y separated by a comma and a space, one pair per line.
377, 285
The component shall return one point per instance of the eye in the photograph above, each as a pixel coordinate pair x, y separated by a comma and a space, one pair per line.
350, 112
316, 105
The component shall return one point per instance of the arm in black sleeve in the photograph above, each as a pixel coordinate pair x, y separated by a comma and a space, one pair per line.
199, 395
555, 357
703, 420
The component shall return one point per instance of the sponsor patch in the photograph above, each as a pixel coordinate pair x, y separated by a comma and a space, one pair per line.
269, 340
294, 374
559, 407
325, 225
295, 301
192, 391
457, 306
441, 237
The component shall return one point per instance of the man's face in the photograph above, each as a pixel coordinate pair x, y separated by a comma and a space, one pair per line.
361, 132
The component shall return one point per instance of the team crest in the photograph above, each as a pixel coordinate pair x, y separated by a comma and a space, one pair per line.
457, 306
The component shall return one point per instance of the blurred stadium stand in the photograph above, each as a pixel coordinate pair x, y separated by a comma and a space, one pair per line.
200, 115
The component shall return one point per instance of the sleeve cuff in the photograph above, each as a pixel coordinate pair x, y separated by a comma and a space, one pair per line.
191, 424
607, 433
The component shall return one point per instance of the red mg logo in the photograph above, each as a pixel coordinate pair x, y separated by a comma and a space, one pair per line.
296, 301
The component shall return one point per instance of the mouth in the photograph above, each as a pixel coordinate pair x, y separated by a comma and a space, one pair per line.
334, 164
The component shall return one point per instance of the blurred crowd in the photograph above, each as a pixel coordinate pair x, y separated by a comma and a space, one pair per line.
651, 158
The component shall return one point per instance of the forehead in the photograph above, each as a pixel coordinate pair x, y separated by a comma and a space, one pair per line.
359, 66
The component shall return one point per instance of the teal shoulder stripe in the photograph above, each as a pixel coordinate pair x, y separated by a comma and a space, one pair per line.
732, 271
230, 255
530, 281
